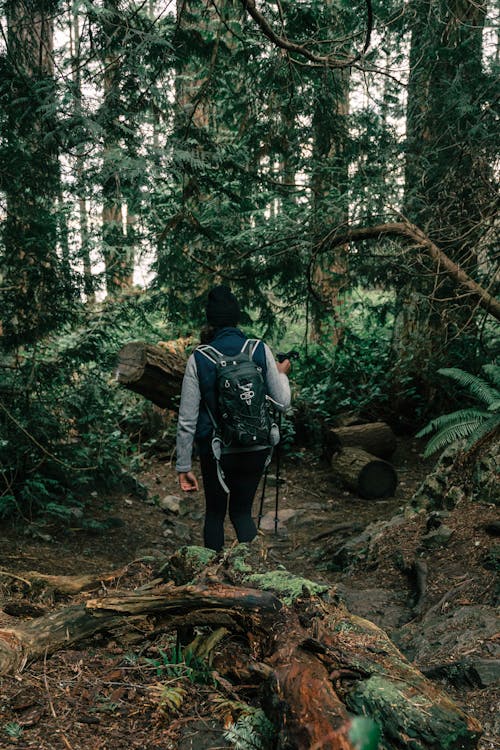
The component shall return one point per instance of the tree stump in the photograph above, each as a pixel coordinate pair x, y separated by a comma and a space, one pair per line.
152, 372
376, 438
366, 475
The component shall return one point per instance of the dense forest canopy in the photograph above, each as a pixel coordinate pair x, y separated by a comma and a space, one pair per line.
335, 162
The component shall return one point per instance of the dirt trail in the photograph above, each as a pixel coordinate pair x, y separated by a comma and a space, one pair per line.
100, 697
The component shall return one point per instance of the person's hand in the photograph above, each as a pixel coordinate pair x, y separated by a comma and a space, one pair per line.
284, 366
187, 481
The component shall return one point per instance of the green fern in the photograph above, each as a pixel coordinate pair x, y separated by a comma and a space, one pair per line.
446, 421
476, 386
493, 372
471, 424
252, 731
169, 697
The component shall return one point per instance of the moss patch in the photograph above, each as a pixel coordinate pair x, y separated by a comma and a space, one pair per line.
425, 725
286, 585
186, 563
237, 558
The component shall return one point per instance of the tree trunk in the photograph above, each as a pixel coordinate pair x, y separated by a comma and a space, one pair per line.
445, 180
83, 220
35, 280
366, 475
152, 372
376, 438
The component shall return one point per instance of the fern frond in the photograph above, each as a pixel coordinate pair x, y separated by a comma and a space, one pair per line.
495, 406
252, 731
452, 434
493, 373
487, 427
475, 385
449, 420
169, 697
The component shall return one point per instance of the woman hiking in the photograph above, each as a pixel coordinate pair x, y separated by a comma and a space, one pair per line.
233, 476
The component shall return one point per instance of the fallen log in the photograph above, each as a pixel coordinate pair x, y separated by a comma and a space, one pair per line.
376, 438
68, 585
413, 711
152, 372
366, 475
60, 629
319, 662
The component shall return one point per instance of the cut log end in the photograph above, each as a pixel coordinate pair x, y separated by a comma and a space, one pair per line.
368, 476
377, 480
151, 372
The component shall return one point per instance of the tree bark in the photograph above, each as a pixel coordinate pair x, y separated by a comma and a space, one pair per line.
376, 438
414, 712
368, 476
152, 372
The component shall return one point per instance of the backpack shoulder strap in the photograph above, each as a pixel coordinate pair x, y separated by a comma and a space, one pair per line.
250, 346
211, 353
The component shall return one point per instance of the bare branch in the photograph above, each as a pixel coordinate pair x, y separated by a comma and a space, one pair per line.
300, 49
408, 230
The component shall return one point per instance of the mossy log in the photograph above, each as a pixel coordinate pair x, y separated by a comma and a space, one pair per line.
319, 663
366, 475
151, 371
376, 438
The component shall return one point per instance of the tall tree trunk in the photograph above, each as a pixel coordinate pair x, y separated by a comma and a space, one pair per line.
83, 221
33, 272
330, 200
117, 262
442, 185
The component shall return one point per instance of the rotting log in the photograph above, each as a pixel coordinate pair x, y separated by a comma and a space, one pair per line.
152, 372
414, 712
318, 661
56, 630
366, 475
309, 712
376, 438
68, 585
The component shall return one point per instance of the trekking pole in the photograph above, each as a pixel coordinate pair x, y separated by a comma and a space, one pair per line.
278, 456
261, 507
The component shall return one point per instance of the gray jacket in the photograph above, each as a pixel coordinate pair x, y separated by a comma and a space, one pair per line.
278, 388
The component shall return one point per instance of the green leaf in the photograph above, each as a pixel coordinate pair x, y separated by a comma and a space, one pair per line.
475, 385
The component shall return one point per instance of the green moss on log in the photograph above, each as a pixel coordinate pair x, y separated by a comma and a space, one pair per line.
186, 563
237, 558
286, 585
426, 726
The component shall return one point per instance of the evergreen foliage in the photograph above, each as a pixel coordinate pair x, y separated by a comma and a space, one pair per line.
187, 148
470, 425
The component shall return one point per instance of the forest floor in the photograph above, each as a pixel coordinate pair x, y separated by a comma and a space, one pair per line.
102, 694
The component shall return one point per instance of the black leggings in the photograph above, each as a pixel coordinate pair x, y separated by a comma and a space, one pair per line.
242, 472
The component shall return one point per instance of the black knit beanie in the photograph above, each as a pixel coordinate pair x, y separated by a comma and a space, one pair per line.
222, 307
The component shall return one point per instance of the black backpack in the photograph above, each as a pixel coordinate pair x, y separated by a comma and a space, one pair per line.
243, 420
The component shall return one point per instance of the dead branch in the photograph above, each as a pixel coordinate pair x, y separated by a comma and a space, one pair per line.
405, 229
300, 49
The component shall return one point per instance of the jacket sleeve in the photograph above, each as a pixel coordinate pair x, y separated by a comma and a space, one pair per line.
188, 415
278, 384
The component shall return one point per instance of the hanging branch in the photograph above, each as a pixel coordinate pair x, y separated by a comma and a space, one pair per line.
301, 49
405, 229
